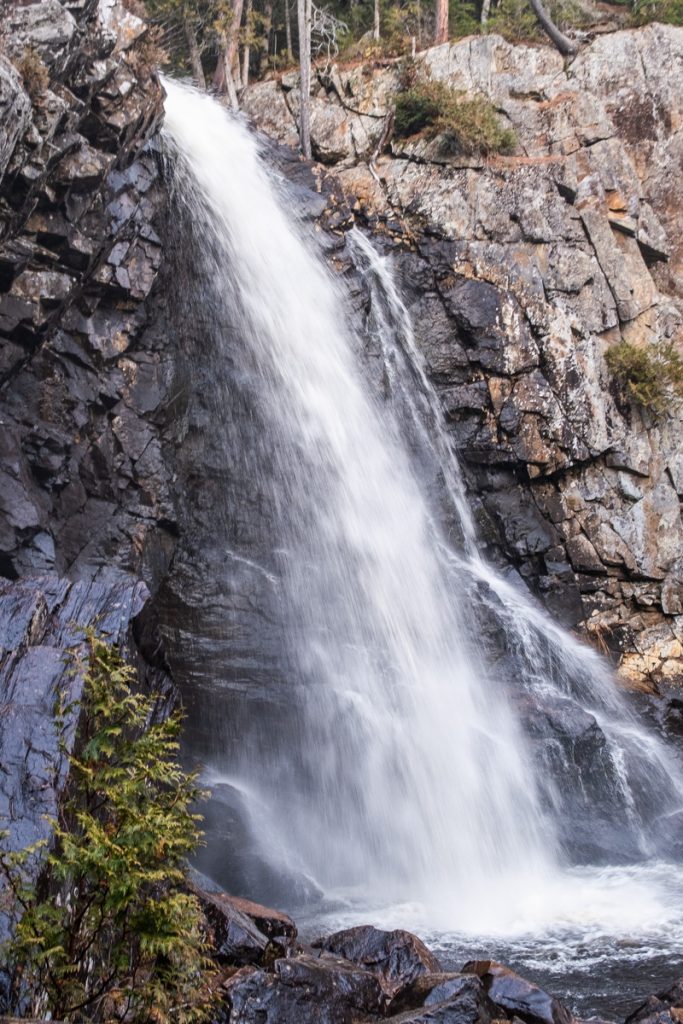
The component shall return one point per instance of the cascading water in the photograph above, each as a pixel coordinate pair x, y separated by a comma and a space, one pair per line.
397, 768
641, 782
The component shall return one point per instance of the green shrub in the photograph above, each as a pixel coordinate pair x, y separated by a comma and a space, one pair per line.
467, 125
515, 21
109, 932
652, 375
463, 19
669, 12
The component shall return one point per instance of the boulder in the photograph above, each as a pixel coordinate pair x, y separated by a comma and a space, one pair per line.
396, 958
234, 937
516, 995
447, 998
303, 990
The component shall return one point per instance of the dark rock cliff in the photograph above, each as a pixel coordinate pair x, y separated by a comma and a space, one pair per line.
81, 484
85, 511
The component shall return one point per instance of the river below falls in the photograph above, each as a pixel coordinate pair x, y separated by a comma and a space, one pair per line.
616, 937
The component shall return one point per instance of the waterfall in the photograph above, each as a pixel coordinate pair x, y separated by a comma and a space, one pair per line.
392, 756
641, 784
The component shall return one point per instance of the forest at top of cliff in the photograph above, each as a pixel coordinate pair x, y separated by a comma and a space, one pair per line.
261, 38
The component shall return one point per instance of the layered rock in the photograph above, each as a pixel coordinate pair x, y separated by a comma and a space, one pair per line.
81, 484
520, 272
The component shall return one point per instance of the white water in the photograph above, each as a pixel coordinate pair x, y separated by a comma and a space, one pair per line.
646, 779
406, 779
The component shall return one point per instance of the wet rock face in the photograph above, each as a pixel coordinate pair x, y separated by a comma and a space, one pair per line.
520, 272
82, 484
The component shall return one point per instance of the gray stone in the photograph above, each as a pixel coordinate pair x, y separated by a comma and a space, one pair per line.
47, 27
15, 112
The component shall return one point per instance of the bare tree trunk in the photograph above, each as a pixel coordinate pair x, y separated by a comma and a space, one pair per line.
232, 36
304, 17
223, 82
288, 30
485, 11
193, 47
229, 39
564, 45
375, 27
441, 30
247, 46
237, 71
219, 83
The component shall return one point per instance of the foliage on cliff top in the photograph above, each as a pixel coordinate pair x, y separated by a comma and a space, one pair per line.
652, 375
109, 932
669, 12
467, 124
516, 22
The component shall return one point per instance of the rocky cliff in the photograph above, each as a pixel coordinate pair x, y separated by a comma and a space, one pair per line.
521, 271
81, 488
83, 492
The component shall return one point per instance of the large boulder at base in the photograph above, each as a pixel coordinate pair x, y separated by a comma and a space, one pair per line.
518, 996
242, 931
662, 1007
303, 990
396, 958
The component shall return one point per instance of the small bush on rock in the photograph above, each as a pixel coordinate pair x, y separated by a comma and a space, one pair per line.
149, 53
467, 124
650, 375
34, 74
110, 932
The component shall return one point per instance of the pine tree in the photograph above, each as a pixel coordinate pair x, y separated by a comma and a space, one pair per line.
110, 932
